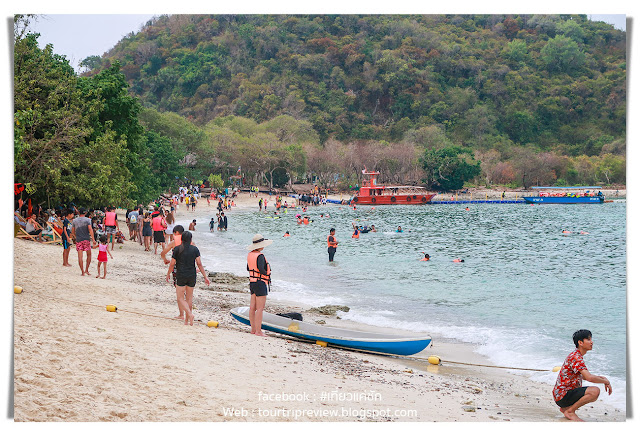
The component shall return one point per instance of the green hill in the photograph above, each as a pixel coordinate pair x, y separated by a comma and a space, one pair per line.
552, 81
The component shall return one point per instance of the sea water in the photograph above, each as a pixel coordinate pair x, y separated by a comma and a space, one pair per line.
522, 291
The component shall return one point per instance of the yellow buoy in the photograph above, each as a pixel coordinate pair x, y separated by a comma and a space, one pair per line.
111, 308
17, 289
212, 324
321, 343
434, 360
556, 368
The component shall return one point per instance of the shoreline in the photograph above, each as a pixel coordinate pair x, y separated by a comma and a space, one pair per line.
87, 364
478, 194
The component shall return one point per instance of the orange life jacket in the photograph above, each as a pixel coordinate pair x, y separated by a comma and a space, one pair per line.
254, 273
305, 220
333, 243
110, 219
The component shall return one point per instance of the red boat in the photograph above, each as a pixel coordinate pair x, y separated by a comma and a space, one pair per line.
371, 193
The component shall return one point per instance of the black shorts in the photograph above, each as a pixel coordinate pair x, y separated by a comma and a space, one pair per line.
258, 288
186, 281
158, 236
571, 397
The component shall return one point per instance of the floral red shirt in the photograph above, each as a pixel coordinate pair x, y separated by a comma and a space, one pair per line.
569, 376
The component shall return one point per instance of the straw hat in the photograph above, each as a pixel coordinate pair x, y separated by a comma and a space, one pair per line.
259, 242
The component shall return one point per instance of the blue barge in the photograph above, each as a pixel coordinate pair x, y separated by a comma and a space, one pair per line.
566, 196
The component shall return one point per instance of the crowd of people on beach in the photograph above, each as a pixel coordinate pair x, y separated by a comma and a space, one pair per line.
154, 225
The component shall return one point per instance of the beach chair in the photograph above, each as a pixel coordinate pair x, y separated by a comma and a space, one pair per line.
56, 238
20, 228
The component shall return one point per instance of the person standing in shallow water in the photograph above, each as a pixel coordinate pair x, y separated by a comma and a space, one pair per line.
568, 392
259, 280
332, 244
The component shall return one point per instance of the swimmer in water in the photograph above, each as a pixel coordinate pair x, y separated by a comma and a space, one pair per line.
356, 232
426, 257
399, 229
373, 228
566, 231
466, 208
458, 260
582, 232
286, 234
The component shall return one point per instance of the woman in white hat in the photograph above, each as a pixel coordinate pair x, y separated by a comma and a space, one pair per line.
259, 280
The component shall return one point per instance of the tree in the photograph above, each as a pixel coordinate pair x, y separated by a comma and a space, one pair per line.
99, 176
562, 55
215, 181
448, 168
91, 63
49, 117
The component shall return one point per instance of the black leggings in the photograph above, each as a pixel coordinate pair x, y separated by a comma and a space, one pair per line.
332, 252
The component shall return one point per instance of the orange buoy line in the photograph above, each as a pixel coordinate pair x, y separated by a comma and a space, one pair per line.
432, 360
113, 308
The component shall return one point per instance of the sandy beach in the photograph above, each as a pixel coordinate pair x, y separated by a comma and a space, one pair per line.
75, 361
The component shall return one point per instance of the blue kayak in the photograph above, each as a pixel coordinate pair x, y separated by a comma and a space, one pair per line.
402, 345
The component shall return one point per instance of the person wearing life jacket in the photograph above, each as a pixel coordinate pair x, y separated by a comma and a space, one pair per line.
259, 281
356, 232
458, 260
332, 244
286, 234
425, 258
111, 223
158, 224
305, 220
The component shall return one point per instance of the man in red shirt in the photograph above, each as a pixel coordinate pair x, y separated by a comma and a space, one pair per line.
568, 392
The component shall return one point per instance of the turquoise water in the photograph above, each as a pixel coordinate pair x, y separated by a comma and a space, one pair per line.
522, 291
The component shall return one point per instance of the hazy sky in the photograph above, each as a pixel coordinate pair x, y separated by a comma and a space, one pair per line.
80, 36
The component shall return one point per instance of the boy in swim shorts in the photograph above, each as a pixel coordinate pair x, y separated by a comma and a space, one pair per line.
568, 392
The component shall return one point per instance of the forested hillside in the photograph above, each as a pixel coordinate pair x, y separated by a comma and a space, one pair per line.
440, 100
544, 80
549, 83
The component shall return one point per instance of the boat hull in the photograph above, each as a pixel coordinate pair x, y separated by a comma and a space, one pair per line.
393, 199
365, 341
564, 200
